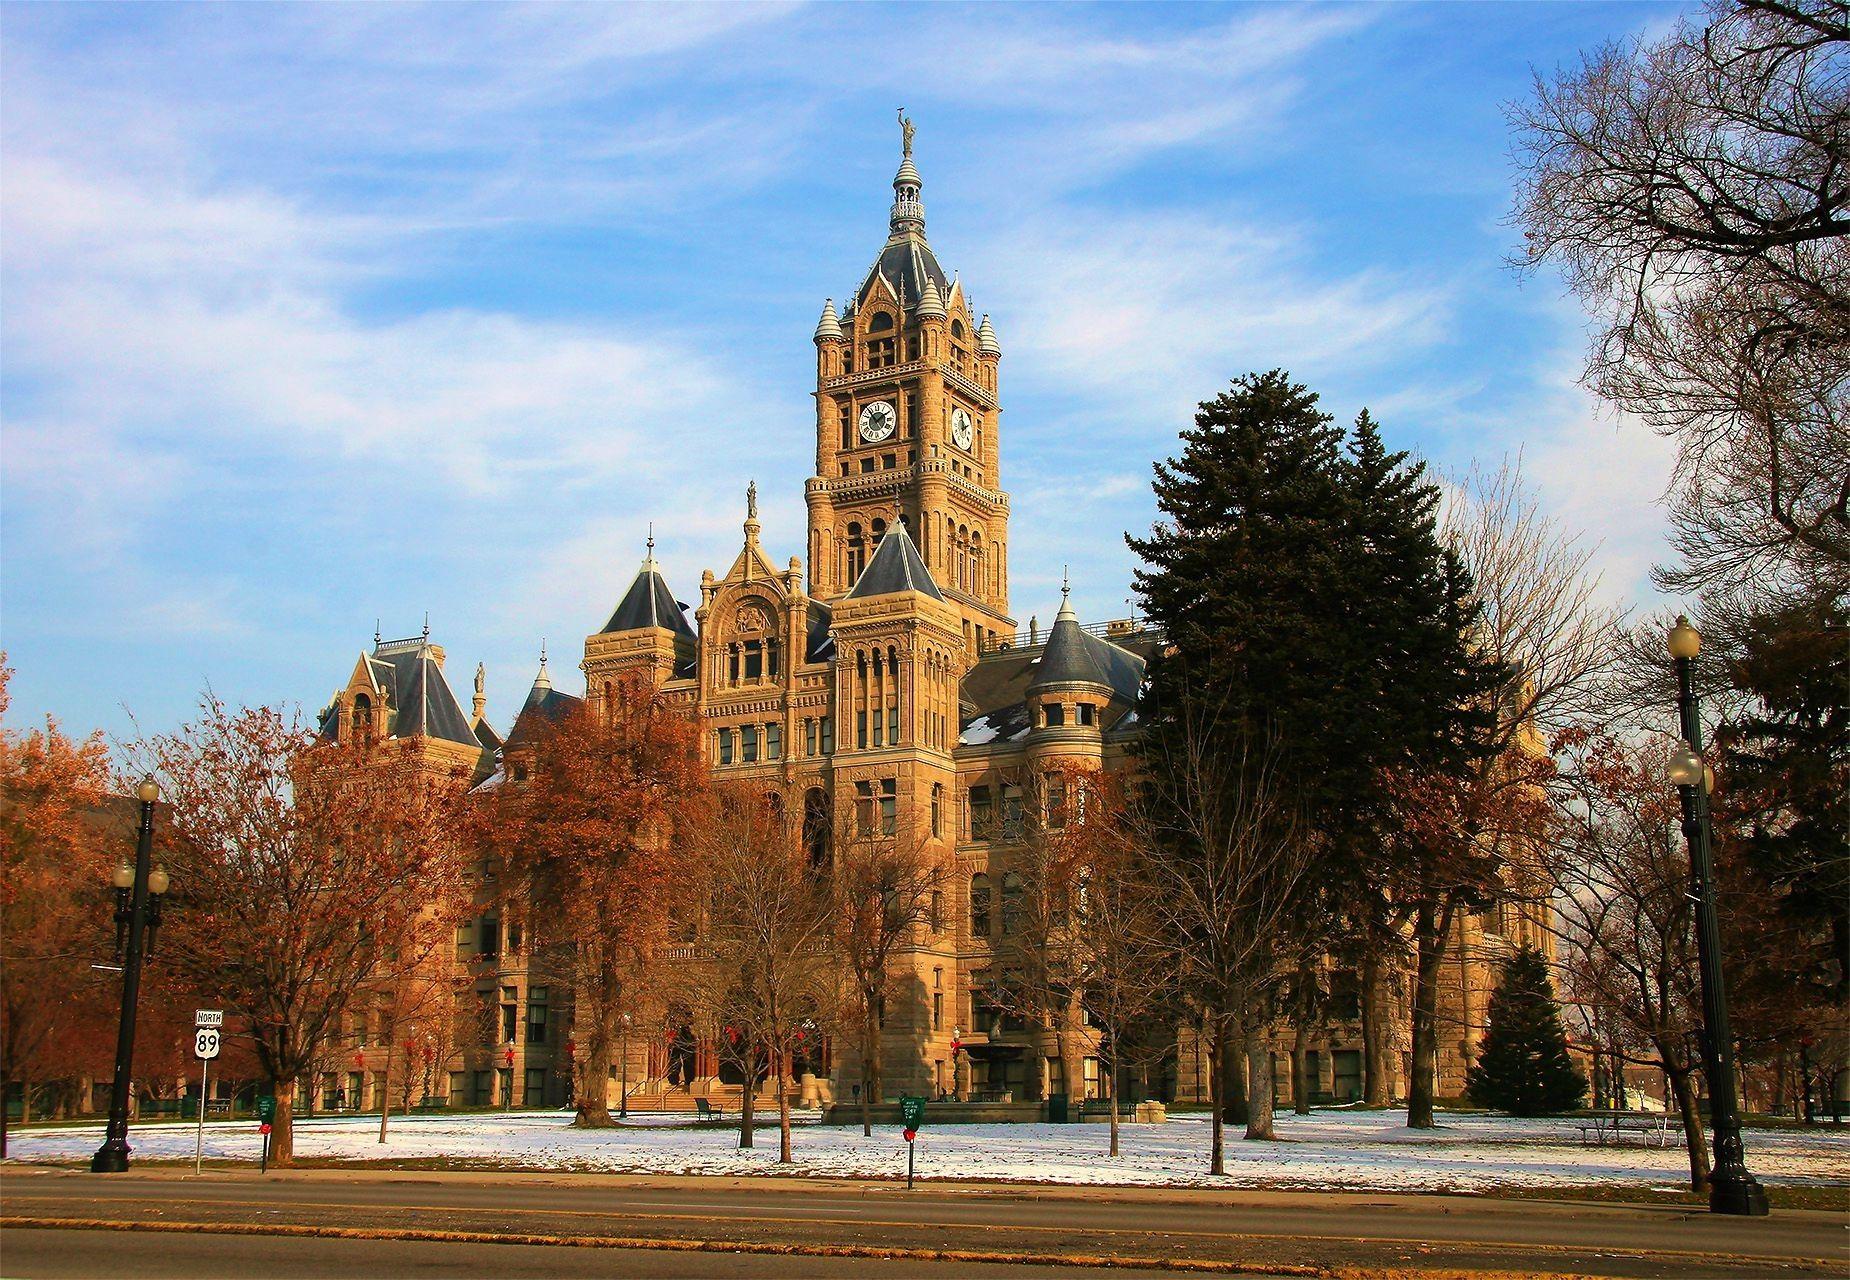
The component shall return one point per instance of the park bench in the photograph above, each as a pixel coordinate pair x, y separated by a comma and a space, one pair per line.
707, 1111
1612, 1128
1127, 1110
431, 1103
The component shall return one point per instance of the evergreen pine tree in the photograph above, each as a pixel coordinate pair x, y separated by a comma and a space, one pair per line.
1524, 1067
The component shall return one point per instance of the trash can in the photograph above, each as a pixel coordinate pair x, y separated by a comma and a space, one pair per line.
189, 1108
1056, 1108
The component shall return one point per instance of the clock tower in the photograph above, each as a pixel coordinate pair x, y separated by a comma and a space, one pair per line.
907, 429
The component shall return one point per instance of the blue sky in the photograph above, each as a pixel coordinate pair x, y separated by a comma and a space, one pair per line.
316, 315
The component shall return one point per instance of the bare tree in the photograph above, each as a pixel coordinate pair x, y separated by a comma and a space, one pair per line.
1231, 863
1623, 910
1695, 195
884, 884
769, 964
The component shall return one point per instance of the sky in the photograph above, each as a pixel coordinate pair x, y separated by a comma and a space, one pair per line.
316, 318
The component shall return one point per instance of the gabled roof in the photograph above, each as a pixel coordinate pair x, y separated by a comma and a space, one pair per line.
906, 263
993, 696
649, 603
896, 566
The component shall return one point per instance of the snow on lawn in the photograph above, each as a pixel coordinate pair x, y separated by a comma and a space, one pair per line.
1349, 1149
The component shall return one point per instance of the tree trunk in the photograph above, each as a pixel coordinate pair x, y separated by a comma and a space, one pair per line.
1684, 1087
385, 1093
1431, 924
6, 1105
1217, 1084
1300, 1042
1111, 1093
783, 1114
1232, 1072
282, 1126
593, 1098
1377, 1070
868, 1053
748, 1097
1259, 1099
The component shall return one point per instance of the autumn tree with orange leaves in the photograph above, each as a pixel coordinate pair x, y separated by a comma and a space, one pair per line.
301, 870
54, 871
591, 831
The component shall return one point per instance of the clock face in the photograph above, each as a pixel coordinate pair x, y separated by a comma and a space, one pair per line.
879, 421
960, 428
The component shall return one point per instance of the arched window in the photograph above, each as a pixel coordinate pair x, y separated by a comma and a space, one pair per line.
1013, 892
957, 328
857, 552
879, 527
362, 718
880, 322
979, 905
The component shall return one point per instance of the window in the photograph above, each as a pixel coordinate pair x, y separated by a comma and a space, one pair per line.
937, 809
828, 736
513, 937
754, 660
1053, 715
508, 1010
362, 718
860, 729
937, 1011
1085, 713
773, 740
892, 725
879, 728
979, 905
937, 911
536, 1015
857, 546
847, 428
889, 806
1011, 813
748, 743
725, 746
1013, 893
982, 813
491, 937
1056, 802
864, 808
809, 736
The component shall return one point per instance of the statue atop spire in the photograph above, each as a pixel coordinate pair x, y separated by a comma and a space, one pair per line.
751, 500
906, 130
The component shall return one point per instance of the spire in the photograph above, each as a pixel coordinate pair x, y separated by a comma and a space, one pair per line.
1066, 613
544, 679
932, 303
986, 338
427, 626
648, 550
828, 329
908, 209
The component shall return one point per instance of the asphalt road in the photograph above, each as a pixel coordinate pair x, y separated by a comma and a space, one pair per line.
1282, 1229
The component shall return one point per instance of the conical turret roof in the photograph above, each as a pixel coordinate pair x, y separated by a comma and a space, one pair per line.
1068, 658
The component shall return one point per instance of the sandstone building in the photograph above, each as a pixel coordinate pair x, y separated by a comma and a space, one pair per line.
884, 675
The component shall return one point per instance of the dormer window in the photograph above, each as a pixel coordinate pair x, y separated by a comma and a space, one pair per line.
881, 351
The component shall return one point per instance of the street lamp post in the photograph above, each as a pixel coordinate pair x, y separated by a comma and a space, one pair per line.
138, 912
1732, 1188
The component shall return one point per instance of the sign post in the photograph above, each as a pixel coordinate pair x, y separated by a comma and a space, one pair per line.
206, 1036
912, 1113
266, 1112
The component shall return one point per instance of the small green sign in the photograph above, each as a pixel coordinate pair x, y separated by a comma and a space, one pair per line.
266, 1107
912, 1111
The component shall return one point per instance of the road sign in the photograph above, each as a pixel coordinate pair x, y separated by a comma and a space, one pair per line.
205, 1043
266, 1107
912, 1111
208, 1017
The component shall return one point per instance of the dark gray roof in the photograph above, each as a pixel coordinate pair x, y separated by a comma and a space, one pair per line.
1067, 656
821, 642
896, 566
544, 705
906, 263
994, 693
421, 698
649, 603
